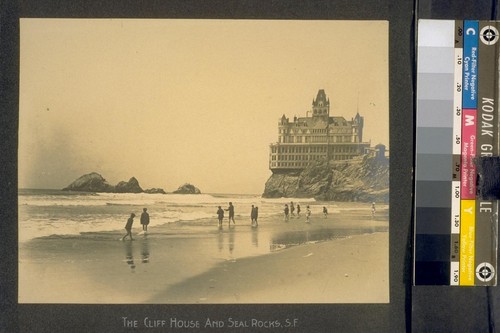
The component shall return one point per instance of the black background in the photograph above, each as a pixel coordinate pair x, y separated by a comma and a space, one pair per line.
418, 309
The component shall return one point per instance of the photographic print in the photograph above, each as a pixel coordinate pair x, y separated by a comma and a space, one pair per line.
185, 161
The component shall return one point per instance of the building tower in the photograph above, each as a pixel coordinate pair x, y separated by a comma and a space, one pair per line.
321, 105
358, 123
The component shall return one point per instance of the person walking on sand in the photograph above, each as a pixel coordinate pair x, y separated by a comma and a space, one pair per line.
286, 212
298, 210
128, 226
325, 212
230, 209
145, 219
292, 208
220, 215
373, 210
308, 214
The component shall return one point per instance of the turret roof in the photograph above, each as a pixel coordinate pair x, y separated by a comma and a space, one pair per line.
321, 97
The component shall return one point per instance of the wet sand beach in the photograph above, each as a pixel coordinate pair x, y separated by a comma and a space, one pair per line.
341, 259
339, 271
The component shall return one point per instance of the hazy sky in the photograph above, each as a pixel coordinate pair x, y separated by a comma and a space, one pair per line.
175, 101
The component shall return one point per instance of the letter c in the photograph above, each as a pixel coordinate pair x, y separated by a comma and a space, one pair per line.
470, 31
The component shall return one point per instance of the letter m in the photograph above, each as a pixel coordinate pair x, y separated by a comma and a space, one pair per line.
469, 120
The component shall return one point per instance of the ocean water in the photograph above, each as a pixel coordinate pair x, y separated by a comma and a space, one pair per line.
56, 213
45, 213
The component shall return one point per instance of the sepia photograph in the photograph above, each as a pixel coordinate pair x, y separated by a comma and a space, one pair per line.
203, 161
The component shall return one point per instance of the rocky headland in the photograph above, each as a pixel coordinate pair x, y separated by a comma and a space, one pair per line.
362, 179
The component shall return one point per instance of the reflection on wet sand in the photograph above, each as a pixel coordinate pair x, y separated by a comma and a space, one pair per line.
220, 240
255, 237
289, 238
221, 237
240, 241
231, 240
129, 252
145, 251
129, 256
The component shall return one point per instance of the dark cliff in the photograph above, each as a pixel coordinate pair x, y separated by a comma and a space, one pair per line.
362, 179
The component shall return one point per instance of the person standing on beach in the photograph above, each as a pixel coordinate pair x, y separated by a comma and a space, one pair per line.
308, 214
373, 210
292, 208
298, 210
128, 226
230, 209
145, 219
220, 215
286, 212
325, 212
252, 216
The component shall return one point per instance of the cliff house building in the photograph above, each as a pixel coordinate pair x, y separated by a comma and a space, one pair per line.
319, 136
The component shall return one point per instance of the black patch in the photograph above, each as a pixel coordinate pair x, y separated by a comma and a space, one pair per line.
488, 178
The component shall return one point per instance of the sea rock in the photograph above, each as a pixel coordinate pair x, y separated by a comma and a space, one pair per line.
155, 190
92, 182
132, 186
362, 179
187, 189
